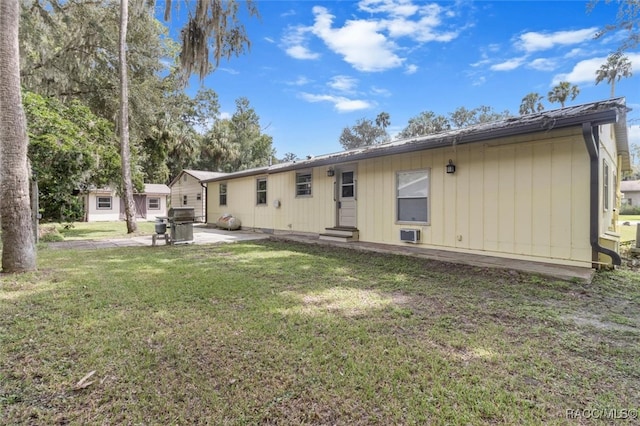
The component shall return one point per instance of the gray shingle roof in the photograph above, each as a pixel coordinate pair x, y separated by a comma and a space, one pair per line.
156, 188
610, 111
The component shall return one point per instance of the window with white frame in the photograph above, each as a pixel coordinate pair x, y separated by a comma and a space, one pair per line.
153, 203
103, 203
303, 184
223, 194
261, 191
605, 185
412, 195
185, 200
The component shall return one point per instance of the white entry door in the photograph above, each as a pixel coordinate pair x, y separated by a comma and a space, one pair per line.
347, 196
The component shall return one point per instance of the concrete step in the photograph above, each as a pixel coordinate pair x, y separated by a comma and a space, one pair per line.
340, 234
346, 232
338, 238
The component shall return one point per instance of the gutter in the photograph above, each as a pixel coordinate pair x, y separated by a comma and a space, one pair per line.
593, 147
206, 200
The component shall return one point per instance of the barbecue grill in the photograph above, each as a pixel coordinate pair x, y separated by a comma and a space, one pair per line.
181, 221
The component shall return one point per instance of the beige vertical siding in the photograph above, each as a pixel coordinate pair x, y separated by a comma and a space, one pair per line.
525, 197
523, 213
190, 187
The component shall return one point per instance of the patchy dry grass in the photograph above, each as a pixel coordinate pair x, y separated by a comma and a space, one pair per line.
280, 333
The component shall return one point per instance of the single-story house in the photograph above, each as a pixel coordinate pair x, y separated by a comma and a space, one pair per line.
630, 192
188, 190
104, 204
541, 187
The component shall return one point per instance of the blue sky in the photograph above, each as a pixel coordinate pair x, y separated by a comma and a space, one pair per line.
316, 67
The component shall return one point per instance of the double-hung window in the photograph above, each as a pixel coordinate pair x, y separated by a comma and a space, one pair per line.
104, 203
223, 194
261, 191
153, 203
303, 184
412, 196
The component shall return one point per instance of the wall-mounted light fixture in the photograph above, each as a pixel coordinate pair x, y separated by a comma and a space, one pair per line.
451, 168
330, 172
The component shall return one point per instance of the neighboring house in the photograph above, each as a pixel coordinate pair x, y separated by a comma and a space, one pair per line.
540, 187
104, 204
630, 192
187, 190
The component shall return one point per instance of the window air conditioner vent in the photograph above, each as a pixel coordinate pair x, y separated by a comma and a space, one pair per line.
410, 235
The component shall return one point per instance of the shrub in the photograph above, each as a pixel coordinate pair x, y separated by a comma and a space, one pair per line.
50, 234
626, 209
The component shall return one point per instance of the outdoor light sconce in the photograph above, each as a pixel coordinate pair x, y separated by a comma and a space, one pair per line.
451, 168
330, 172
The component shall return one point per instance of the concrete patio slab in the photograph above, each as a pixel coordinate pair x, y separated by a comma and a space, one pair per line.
201, 235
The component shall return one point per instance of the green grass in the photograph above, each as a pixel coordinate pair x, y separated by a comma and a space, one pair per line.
97, 230
628, 232
283, 333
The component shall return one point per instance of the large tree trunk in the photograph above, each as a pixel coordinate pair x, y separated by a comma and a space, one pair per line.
125, 152
18, 247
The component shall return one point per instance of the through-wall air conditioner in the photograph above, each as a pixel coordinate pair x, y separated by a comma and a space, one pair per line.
410, 235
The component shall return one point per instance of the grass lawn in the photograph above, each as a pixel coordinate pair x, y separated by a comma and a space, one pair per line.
97, 230
628, 232
280, 333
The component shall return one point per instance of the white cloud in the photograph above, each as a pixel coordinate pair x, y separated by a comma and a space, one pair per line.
340, 103
358, 41
300, 81
229, 70
573, 53
301, 52
295, 43
411, 69
486, 55
343, 83
508, 65
290, 12
371, 44
479, 81
543, 64
423, 29
585, 71
392, 7
380, 92
481, 63
535, 41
